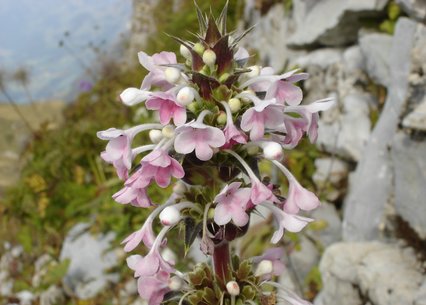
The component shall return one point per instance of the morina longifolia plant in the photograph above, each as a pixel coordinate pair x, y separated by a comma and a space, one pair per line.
217, 119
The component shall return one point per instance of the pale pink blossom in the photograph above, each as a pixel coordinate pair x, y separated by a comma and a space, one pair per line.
298, 197
275, 256
199, 137
285, 91
232, 134
135, 196
265, 114
168, 108
156, 65
285, 221
231, 205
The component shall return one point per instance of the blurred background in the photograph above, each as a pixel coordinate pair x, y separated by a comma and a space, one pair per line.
63, 65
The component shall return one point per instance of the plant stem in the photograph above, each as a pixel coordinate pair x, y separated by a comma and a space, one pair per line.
221, 260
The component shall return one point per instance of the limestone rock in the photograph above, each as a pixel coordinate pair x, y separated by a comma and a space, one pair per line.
333, 170
332, 22
410, 181
380, 273
90, 258
371, 185
375, 48
414, 8
332, 232
416, 119
305, 259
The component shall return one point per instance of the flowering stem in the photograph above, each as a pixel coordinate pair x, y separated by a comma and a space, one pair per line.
221, 260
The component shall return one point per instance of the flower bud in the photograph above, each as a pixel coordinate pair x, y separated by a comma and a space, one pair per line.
249, 91
175, 283
168, 131
155, 135
179, 188
172, 75
265, 267
234, 104
170, 216
221, 118
273, 151
255, 71
209, 57
199, 48
233, 288
185, 52
185, 96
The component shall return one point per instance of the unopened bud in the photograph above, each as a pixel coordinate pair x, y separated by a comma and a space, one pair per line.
255, 71
179, 188
185, 96
221, 118
155, 136
273, 151
233, 288
248, 91
185, 52
209, 57
172, 75
234, 104
170, 216
168, 131
199, 48
175, 283
265, 267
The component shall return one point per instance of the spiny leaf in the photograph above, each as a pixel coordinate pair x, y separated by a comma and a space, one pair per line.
201, 20
191, 231
241, 36
212, 34
221, 21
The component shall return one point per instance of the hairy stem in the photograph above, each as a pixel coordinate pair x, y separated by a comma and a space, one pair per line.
221, 260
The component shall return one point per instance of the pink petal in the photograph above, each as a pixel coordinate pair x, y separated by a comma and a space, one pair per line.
222, 215
184, 142
179, 116
148, 265
203, 151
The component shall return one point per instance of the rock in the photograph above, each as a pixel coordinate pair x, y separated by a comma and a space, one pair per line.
379, 273
353, 59
270, 35
331, 170
375, 48
52, 296
25, 297
322, 58
40, 269
332, 232
90, 257
349, 132
416, 119
365, 204
421, 295
304, 260
410, 180
414, 8
341, 25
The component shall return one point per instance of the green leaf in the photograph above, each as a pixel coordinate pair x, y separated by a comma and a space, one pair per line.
56, 273
191, 231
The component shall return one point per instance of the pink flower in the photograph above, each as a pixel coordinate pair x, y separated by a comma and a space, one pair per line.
144, 234
199, 137
275, 256
263, 86
165, 103
260, 192
231, 205
135, 196
152, 287
298, 198
156, 65
285, 91
118, 150
265, 113
283, 220
232, 134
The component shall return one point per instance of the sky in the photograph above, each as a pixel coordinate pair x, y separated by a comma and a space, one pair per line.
30, 31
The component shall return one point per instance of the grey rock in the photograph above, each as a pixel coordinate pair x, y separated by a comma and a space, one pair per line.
25, 297
416, 119
90, 257
52, 296
384, 274
367, 198
410, 181
421, 295
332, 233
304, 260
349, 132
353, 59
414, 8
322, 58
332, 22
375, 48
331, 170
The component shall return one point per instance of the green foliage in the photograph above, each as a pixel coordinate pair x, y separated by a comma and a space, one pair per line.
393, 13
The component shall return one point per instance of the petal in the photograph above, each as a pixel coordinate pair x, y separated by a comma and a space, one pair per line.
247, 119
133, 260
148, 265
184, 142
133, 96
294, 223
239, 217
179, 116
289, 93
110, 134
125, 195
177, 169
214, 137
203, 151
146, 61
222, 215
163, 177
